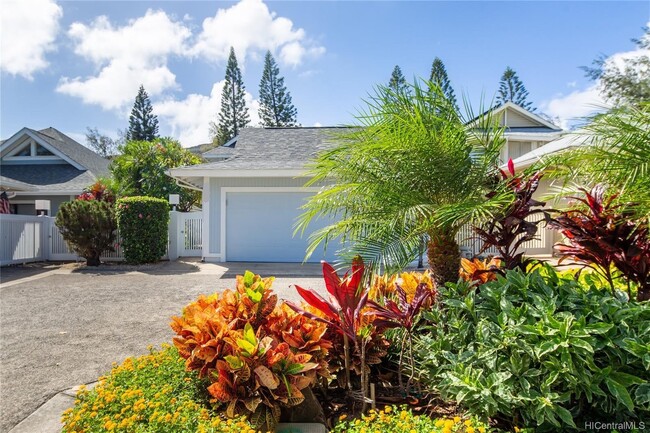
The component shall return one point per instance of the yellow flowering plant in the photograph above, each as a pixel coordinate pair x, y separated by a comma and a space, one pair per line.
149, 394
395, 419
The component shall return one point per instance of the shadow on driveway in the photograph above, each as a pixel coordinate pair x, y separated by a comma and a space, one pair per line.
15, 272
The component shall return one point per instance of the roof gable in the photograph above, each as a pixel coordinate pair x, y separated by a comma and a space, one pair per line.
61, 146
512, 115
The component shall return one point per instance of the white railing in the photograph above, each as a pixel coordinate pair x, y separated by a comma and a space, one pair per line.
22, 238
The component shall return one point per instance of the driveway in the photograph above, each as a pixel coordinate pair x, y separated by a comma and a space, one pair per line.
66, 325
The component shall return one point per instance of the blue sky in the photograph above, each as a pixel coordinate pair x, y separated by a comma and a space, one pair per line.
78, 64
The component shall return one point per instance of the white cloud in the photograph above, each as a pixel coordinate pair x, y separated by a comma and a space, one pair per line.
251, 28
570, 108
126, 57
190, 118
318, 125
28, 30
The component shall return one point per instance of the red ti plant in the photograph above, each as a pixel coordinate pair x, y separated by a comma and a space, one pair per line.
343, 310
508, 231
97, 191
401, 314
604, 235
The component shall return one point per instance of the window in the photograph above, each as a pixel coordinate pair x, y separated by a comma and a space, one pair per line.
41, 151
25, 151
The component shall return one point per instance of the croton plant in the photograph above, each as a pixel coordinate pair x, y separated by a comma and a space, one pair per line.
257, 355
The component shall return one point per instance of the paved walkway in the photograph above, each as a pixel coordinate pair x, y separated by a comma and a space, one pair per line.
66, 325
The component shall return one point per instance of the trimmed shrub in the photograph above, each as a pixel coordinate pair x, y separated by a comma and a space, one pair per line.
400, 420
539, 350
142, 222
149, 394
88, 227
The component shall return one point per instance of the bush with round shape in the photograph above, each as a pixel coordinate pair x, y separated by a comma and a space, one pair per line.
88, 227
143, 222
149, 394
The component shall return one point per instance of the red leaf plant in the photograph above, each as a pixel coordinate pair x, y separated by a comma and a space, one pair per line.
343, 314
603, 236
402, 314
509, 230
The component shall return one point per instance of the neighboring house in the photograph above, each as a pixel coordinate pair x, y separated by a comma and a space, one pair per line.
46, 165
253, 186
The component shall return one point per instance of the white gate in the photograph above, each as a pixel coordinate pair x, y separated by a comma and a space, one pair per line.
190, 236
22, 238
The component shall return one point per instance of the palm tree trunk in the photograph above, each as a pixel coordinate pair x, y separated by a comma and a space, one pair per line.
443, 253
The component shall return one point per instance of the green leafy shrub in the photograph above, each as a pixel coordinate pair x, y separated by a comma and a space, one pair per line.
88, 227
400, 420
150, 394
143, 227
539, 350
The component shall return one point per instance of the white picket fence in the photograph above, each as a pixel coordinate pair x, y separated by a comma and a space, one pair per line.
26, 238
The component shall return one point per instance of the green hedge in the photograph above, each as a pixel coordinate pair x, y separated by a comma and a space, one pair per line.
143, 222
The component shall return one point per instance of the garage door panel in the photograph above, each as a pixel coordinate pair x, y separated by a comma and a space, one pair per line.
260, 226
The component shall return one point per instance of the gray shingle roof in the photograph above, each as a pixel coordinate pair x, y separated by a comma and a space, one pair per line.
273, 148
75, 151
50, 177
58, 177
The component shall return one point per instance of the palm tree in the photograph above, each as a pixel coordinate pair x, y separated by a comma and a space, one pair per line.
617, 155
410, 167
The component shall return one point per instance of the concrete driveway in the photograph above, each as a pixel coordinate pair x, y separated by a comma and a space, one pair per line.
66, 325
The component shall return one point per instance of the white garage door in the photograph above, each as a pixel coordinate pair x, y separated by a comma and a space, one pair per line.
259, 228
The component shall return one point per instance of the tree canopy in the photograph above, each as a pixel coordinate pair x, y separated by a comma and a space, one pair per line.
143, 124
141, 166
397, 82
440, 77
276, 108
102, 144
626, 80
511, 88
234, 113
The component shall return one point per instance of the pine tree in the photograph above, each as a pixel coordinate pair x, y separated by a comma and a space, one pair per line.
440, 77
397, 81
143, 125
276, 108
511, 88
234, 113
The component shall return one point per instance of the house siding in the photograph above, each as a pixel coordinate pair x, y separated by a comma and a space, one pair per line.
26, 203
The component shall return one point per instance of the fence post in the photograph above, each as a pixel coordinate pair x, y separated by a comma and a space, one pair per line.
46, 237
174, 245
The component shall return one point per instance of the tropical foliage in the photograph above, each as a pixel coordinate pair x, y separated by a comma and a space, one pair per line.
540, 350
509, 229
141, 169
477, 271
604, 236
142, 222
240, 342
413, 167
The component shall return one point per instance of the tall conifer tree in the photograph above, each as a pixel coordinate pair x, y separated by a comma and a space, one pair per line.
276, 108
440, 77
143, 124
397, 81
234, 113
511, 88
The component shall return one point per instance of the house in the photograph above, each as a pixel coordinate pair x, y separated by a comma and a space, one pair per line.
253, 186
46, 165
